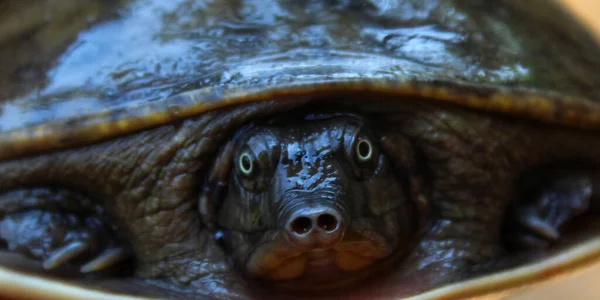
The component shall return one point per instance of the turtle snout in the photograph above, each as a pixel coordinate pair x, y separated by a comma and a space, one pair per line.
315, 227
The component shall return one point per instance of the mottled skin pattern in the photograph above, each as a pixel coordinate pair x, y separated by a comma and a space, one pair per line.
151, 192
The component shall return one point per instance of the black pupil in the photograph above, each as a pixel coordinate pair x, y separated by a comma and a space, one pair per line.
246, 163
364, 149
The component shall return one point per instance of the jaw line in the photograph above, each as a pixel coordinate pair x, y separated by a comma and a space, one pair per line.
381, 266
279, 244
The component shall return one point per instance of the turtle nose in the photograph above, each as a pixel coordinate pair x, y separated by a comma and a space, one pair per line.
319, 227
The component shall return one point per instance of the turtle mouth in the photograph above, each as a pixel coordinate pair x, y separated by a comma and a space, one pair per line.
320, 266
324, 266
280, 262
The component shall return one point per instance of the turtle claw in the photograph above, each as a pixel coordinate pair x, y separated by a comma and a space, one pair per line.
539, 226
65, 254
529, 241
105, 260
537, 221
60, 239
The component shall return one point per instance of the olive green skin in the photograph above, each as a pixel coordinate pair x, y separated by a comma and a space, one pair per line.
128, 107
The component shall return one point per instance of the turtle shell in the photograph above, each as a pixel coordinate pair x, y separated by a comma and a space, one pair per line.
150, 63
140, 64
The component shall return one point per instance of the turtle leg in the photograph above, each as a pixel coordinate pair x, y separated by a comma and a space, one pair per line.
59, 227
548, 202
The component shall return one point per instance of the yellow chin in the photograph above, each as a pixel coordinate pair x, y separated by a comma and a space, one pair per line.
348, 261
290, 269
295, 267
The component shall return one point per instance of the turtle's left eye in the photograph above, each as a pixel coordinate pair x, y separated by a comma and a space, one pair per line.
364, 150
361, 151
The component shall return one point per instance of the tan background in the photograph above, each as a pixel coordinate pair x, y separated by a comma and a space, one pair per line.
587, 284
587, 10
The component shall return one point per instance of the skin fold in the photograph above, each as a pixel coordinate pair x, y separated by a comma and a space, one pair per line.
462, 170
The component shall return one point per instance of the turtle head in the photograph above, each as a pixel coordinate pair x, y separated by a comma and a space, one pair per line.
315, 201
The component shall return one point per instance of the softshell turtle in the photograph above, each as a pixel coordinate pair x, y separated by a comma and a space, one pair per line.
240, 148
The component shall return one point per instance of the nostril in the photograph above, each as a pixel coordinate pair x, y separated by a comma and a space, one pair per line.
327, 222
301, 225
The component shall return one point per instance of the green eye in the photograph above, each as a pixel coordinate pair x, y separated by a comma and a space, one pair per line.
364, 150
246, 164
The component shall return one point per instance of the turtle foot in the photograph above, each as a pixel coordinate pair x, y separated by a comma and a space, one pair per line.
60, 229
535, 222
62, 239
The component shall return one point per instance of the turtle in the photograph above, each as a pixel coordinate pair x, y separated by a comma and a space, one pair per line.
268, 149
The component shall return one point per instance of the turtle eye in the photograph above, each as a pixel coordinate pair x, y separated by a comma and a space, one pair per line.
364, 150
246, 163
255, 161
361, 151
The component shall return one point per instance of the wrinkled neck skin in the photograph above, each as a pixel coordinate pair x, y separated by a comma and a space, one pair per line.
313, 204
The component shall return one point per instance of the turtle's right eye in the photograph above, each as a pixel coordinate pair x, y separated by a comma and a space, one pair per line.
252, 166
255, 161
246, 164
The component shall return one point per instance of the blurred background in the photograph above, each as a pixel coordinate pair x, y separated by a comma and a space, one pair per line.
587, 10
584, 285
